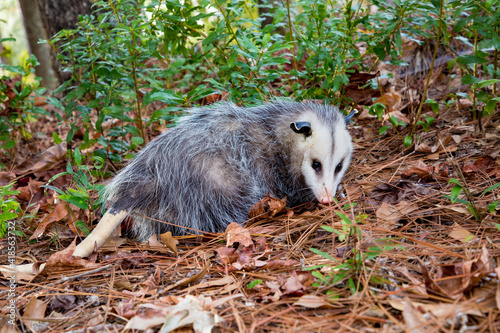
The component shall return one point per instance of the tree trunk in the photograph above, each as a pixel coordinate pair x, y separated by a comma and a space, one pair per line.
34, 32
61, 14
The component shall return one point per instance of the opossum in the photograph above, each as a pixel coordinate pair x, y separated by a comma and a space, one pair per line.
209, 170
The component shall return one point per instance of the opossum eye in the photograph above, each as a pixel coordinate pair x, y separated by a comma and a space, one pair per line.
338, 168
316, 165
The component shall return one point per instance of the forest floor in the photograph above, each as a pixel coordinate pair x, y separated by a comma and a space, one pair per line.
403, 257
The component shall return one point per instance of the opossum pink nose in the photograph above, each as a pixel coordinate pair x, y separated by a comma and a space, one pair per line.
326, 200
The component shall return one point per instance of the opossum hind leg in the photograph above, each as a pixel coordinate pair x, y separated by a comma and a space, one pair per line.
101, 232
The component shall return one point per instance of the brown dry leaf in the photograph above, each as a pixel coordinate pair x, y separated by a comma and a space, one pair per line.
424, 148
63, 261
227, 280
281, 263
28, 192
421, 170
48, 159
297, 283
414, 320
419, 288
35, 309
391, 100
170, 242
393, 213
60, 211
453, 280
311, 302
154, 242
6, 177
235, 233
215, 97
191, 310
226, 255
267, 207
396, 114
481, 164
438, 310
354, 89
394, 193
460, 233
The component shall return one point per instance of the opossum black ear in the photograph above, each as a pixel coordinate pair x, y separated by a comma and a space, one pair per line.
302, 127
349, 116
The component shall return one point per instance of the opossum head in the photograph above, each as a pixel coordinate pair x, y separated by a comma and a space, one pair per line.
324, 149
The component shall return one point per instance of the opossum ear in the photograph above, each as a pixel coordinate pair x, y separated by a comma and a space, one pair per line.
302, 127
349, 116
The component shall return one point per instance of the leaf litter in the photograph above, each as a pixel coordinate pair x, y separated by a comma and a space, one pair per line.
401, 257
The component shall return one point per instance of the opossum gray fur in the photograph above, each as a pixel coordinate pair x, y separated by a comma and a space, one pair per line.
209, 170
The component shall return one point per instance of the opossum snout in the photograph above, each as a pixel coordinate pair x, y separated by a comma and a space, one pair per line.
326, 200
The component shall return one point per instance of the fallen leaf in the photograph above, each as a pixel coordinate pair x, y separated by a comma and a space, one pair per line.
154, 242
359, 90
267, 207
6, 178
48, 159
195, 311
226, 255
421, 170
63, 261
60, 211
455, 279
281, 263
414, 320
228, 279
460, 233
418, 287
170, 242
424, 148
311, 302
297, 283
235, 233
393, 213
35, 309
481, 164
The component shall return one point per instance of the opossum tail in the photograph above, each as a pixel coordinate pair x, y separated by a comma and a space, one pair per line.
101, 232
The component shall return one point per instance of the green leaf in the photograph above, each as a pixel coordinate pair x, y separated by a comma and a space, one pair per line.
7, 216
8, 144
83, 227
469, 79
471, 59
454, 181
253, 284
491, 188
77, 201
408, 141
78, 156
485, 83
434, 105
327, 228
455, 192
382, 130
56, 138
323, 254
492, 206
489, 108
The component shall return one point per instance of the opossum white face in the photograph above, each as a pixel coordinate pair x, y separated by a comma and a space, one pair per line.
326, 154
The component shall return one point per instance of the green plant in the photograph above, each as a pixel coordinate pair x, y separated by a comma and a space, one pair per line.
79, 194
343, 273
457, 190
18, 91
10, 209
